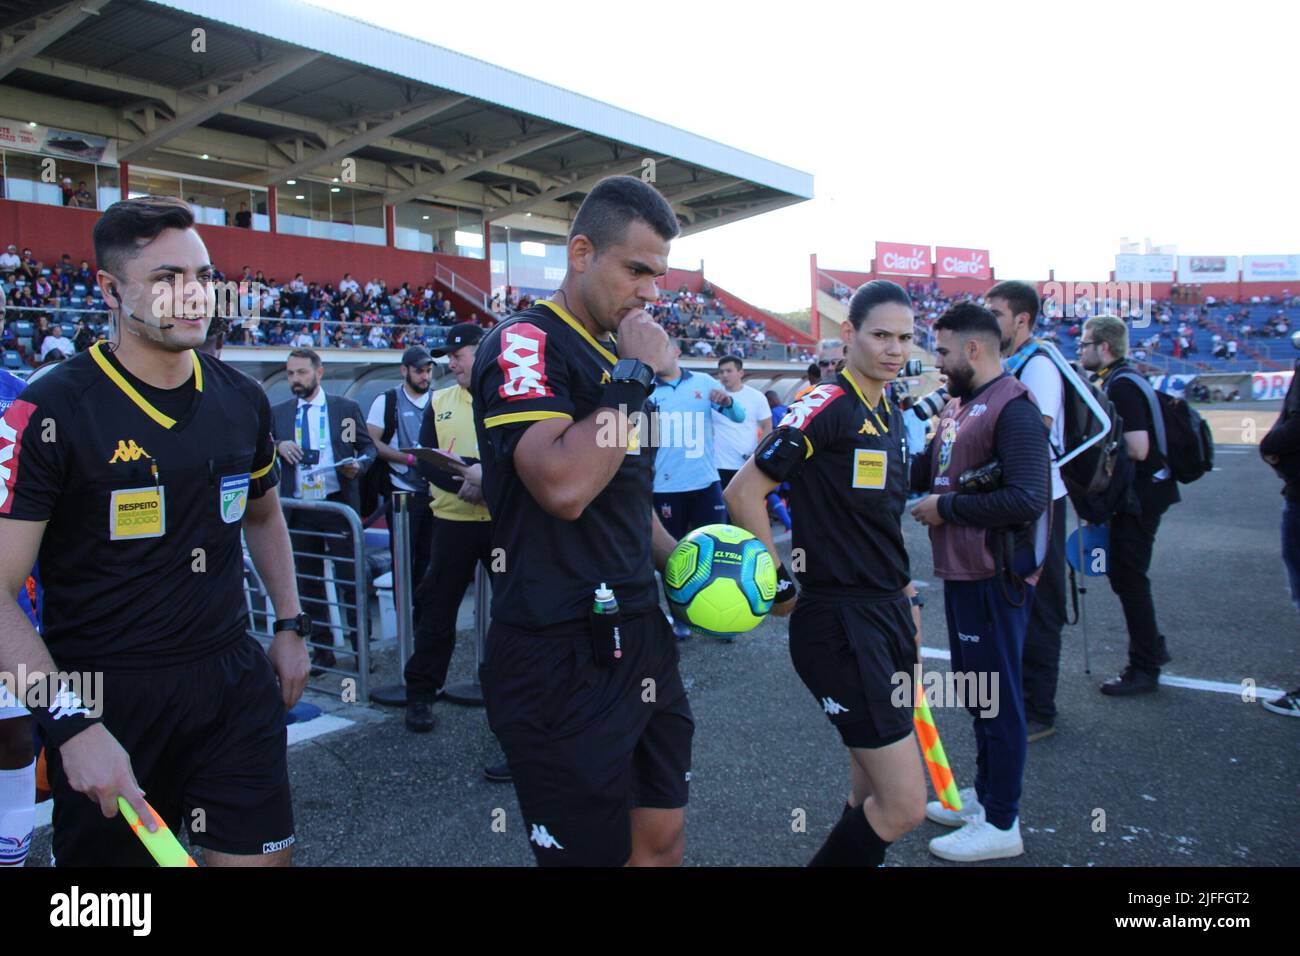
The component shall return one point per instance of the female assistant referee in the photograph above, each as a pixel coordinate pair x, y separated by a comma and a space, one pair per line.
855, 631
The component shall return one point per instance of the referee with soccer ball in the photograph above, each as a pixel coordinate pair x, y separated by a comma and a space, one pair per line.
855, 630
589, 707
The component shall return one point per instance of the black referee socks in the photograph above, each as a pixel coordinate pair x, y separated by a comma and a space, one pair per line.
852, 843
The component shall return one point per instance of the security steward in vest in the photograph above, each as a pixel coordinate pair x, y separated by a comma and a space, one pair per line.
988, 570
856, 627
461, 528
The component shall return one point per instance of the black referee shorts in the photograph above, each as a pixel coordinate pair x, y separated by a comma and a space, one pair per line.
208, 746
849, 654
587, 743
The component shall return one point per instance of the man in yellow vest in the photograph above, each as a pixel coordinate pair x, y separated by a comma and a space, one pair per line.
462, 528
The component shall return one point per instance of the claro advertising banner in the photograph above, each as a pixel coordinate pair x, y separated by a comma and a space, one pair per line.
902, 259
954, 263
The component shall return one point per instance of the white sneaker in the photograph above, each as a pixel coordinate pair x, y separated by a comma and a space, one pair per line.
978, 841
971, 809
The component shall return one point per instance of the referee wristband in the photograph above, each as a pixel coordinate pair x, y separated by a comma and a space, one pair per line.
629, 396
785, 589
59, 712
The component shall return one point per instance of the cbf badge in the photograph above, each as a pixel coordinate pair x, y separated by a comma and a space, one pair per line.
948, 438
234, 497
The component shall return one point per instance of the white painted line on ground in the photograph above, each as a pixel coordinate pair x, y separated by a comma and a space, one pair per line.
297, 733
1168, 680
317, 727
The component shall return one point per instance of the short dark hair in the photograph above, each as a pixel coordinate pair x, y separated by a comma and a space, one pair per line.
1020, 296
308, 354
740, 364
814, 373
130, 223
874, 293
614, 203
968, 319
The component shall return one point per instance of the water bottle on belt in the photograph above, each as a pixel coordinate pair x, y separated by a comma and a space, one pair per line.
606, 619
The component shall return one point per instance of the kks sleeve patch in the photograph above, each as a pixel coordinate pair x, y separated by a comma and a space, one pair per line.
523, 363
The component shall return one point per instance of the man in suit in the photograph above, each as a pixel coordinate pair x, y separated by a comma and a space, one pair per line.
313, 433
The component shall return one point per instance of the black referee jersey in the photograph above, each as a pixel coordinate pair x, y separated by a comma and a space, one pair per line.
143, 490
543, 364
848, 491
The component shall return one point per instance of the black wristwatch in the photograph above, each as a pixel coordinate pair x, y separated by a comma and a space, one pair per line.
916, 600
301, 624
633, 370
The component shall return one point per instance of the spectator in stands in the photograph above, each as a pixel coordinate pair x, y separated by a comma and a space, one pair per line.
302, 338
1231, 349
243, 218
9, 261
376, 338
348, 284
83, 337
83, 198
56, 340
29, 268
85, 276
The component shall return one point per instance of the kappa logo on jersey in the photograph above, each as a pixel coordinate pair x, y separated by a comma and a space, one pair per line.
808, 407
868, 429
833, 707
12, 427
128, 451
523, 361
544, 839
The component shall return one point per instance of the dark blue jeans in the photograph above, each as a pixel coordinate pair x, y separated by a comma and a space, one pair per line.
1291, 546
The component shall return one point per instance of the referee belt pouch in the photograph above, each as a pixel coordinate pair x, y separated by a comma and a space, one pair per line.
606, 638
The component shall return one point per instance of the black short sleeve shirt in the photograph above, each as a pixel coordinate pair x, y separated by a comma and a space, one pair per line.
143, 500
543, 364
848, 492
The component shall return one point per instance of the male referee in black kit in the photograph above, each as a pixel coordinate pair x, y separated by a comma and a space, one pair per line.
599, 745
855, 632
133, 468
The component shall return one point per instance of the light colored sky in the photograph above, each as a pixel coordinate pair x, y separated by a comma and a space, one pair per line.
1040, 131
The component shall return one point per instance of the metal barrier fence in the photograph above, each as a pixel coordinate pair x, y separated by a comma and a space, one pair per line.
349, 635
331, 534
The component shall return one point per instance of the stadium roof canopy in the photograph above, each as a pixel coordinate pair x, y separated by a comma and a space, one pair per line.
276, 89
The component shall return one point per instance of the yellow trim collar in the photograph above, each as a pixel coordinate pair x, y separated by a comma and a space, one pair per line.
562, 313
129, 390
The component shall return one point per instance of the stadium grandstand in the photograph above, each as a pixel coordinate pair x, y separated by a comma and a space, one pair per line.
1229, 334
365, 190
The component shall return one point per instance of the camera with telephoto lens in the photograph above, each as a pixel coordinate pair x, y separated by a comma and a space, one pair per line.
911, 368
930, 405
983, 479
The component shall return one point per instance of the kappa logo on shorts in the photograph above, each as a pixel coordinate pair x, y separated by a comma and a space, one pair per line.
833, 707
523, 361
278, 845
12, 427
544, 839
807, 408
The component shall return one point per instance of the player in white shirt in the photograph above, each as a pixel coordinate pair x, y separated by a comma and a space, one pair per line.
734, 442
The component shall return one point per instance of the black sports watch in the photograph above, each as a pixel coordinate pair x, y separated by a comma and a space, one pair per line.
916, 600
301, 624
633, 370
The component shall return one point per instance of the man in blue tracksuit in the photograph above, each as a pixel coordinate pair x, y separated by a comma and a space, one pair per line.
687, 491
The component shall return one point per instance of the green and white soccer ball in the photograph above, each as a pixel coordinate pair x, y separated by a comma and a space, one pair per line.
720, 580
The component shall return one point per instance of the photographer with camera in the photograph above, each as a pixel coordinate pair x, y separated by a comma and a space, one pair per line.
987, 474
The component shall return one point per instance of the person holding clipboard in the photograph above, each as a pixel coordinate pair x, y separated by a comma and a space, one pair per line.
462, 528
